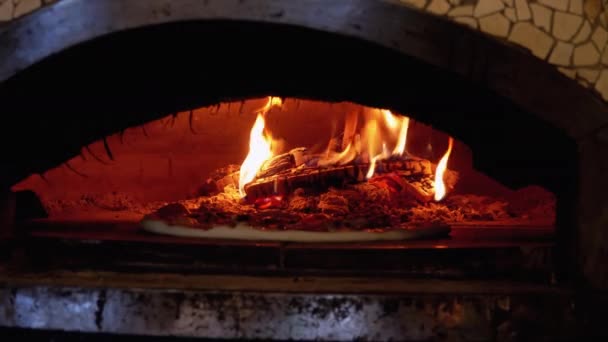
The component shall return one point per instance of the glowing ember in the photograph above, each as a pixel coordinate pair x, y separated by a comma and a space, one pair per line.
441, 167
269, 202
260, 146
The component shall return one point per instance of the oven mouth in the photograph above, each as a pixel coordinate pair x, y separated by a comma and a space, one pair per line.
536, 153
102, 209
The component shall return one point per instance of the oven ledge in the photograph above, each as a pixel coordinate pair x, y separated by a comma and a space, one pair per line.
324, 308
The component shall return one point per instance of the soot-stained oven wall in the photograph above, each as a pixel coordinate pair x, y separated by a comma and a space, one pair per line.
128, 63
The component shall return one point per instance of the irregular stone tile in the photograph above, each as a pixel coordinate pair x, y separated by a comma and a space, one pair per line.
510, 14
565, 25
562, 54
589, 75
531, 37
6, 10
439, 7
522, 10
604, 19
584, 83
586, 55
602, 84
415, 3
583, 34
605, 56
561, 5
461, 11
495, 24
485, 7
541, 16
455, 2
469, 21
599, 37
26, 6
509, 3
571, 73
592, 9
576, 6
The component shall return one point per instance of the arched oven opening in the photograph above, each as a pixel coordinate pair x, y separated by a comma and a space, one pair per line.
162, 127
348, 169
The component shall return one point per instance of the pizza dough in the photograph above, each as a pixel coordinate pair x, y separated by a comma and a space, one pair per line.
244, 231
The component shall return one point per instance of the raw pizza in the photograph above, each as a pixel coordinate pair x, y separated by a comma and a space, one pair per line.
374, 210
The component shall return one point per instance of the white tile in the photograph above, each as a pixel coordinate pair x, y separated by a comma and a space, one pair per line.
565, 25
583, 34
605, 56
541, 16
6, 10
469, 21
485, 7
461, 11
561, 54
522, 10
589, 75
571, 73
495, 24
439, 7
26, 6
561, 5
586, 55
576, 7
533, 38
599, 38
510, 14
592, 9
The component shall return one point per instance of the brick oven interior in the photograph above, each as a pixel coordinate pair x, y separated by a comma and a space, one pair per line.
157, 108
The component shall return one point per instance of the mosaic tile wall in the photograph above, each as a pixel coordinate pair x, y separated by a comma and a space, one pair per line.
11, 9
570, 34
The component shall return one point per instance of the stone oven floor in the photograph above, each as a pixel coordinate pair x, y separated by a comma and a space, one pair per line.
480, 251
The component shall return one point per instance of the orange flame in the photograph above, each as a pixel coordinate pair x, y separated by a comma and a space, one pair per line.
439, 172
400, 147
260, 146
381, 128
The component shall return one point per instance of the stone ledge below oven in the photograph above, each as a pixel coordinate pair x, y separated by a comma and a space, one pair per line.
277, 284
330, 308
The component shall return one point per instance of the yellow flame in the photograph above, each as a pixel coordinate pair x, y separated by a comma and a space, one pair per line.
260, 146
381, 128
338, 158
400, 147
389, 118
374, 160
370, 132
440, 190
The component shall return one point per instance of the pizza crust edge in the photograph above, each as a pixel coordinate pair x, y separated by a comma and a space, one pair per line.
244, 231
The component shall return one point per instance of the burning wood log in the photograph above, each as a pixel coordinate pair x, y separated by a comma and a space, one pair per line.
219, 179
276, 164
283, 162
323, 178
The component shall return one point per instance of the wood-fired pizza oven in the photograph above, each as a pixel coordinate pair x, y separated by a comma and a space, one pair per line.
111, 107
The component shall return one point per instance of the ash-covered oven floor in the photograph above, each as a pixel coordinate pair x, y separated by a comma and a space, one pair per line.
116, 243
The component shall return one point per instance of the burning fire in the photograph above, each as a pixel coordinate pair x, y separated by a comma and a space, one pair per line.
368, 137
439, 172
260, 146
381, 128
